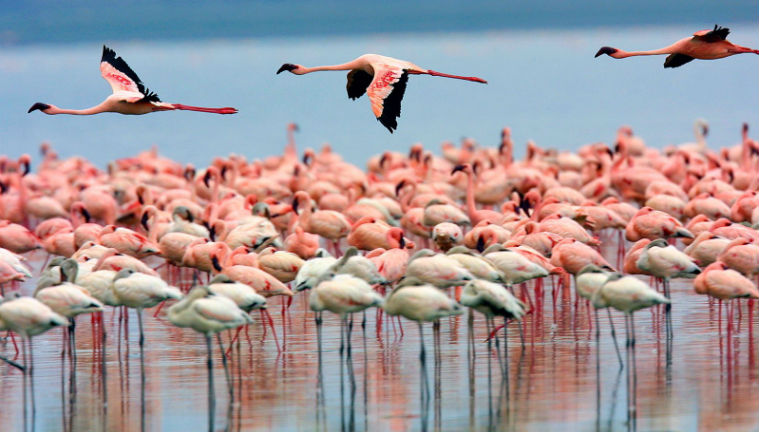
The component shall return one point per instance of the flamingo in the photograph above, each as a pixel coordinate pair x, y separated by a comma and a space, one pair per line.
130, 96
703, 45
382, 78
420, 302
492, 299
208, 314
28, 317
627, 294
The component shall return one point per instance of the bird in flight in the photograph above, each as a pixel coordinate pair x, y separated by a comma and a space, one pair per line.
703, 45
130, 96
382, 78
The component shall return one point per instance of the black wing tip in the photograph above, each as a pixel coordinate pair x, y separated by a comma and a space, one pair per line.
606, 50
391, 109
38, 106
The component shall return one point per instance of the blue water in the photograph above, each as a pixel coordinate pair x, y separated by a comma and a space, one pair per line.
545, 84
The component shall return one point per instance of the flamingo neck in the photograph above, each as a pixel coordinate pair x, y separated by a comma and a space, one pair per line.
87, 111
624, 54
471, 208
345, 66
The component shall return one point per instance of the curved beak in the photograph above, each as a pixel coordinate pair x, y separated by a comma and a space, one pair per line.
286, 67
38, 106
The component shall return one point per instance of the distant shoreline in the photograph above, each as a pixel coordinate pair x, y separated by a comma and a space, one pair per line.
25, 23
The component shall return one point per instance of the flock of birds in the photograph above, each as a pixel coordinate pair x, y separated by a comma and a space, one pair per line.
474, 220
383, 79
416, 225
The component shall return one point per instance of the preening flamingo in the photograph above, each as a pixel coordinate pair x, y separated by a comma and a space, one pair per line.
382, 78
703, 45
130, 96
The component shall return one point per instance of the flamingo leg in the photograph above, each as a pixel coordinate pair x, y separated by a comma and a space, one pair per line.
614, 336
211, 395
228, 376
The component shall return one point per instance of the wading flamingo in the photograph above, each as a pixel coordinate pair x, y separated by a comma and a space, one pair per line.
382, 78
703, 45
130, 96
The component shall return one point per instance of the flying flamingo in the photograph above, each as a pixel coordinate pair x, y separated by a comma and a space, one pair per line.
382, 78
703, 45
130, 96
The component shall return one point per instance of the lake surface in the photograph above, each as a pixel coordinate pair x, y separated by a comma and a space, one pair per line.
545, 84
700, 382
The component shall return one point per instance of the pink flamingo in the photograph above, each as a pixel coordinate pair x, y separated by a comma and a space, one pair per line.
703, 45
382, 78
130, 96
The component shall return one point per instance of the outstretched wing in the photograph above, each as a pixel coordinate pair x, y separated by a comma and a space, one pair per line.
385, 93
122, 78
358, 82
676, 60
716, 35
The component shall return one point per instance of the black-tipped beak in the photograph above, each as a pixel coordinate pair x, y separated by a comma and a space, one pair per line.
457, 168
606, 50
27, 168
206, 178
286, 67
295, 206
144, 221
399, 186
86, 215
215, 262
39, 106
480, 244
403, 243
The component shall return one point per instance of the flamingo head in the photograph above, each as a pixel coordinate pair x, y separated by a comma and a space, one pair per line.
40, 106
293, 68
466, 168
609, 51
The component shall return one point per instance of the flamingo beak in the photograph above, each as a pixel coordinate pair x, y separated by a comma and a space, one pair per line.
399, 187
286, 67
457, 168
402, 242
295, 206
480, 244
39, 106
606, 50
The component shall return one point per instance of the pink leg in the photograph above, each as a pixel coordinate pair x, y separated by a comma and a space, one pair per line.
273, 330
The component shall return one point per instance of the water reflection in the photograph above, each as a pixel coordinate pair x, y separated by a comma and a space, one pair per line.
568, 375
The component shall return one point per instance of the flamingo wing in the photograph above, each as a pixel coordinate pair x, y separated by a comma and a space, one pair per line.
358, 82
715, 35
385, 93
676, 60
122, 78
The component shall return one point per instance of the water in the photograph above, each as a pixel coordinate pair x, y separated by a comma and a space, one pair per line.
710, 383
545, 84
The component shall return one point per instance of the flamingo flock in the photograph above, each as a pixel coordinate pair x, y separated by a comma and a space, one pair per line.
418, 236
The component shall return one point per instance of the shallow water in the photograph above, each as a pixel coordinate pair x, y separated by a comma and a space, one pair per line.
701, 382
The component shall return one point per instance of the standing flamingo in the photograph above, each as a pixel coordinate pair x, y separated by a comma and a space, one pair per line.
703, 45
130, 96
382, 78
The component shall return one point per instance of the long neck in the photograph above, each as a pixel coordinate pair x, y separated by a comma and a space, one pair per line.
470, 206
624, 54
87, 111
355, 64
